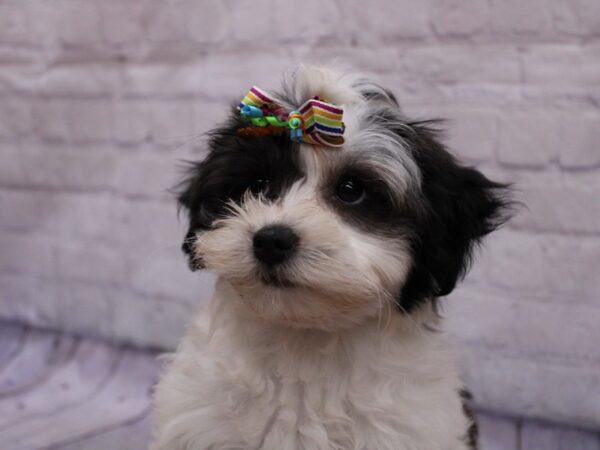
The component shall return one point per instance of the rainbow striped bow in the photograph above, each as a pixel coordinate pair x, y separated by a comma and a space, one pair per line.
315, 122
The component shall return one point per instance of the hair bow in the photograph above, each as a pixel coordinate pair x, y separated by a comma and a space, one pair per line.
315, 122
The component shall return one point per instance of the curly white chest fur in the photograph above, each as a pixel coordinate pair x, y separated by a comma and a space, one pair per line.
245, 384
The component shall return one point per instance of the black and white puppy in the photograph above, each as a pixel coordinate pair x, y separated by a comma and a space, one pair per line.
321, 332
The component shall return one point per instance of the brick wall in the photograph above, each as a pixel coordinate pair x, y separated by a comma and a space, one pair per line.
100, 99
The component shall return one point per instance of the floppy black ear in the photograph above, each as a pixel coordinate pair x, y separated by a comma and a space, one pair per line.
457, 207
190, 198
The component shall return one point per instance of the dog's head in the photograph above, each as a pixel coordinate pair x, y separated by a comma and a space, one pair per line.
322, 237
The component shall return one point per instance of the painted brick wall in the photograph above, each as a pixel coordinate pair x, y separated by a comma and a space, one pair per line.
100, 99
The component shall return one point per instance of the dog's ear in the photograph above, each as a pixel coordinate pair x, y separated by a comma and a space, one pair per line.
457, 207
190, 197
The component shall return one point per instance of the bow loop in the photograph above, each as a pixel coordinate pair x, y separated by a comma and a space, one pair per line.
315, 122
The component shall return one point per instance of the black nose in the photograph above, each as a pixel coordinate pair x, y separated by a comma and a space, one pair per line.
274, 244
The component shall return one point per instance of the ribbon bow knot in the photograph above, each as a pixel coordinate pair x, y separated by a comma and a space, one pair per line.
314, 122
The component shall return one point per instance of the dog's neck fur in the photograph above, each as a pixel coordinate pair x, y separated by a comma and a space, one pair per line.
378, 386
283, 348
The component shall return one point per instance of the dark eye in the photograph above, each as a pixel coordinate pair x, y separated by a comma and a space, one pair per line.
350, 191
259, 185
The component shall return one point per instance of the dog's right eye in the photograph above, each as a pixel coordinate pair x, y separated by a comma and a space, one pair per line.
350, 191
259, 185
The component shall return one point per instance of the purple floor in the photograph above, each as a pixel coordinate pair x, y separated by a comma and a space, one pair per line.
60, 392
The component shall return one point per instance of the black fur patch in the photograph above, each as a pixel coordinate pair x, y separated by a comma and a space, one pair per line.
457, 207
377, 213
234, 164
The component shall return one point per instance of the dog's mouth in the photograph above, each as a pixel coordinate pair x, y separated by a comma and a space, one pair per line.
275, 279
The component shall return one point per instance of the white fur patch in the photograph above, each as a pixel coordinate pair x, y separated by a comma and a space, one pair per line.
244, 385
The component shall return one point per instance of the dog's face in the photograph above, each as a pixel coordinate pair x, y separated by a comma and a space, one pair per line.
325, 238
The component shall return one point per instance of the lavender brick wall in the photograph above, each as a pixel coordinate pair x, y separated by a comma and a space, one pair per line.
100, 99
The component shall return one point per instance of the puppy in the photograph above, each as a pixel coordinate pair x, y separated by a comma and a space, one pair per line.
332, 243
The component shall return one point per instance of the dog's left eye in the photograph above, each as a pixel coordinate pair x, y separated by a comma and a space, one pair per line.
350, 191
259, 185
